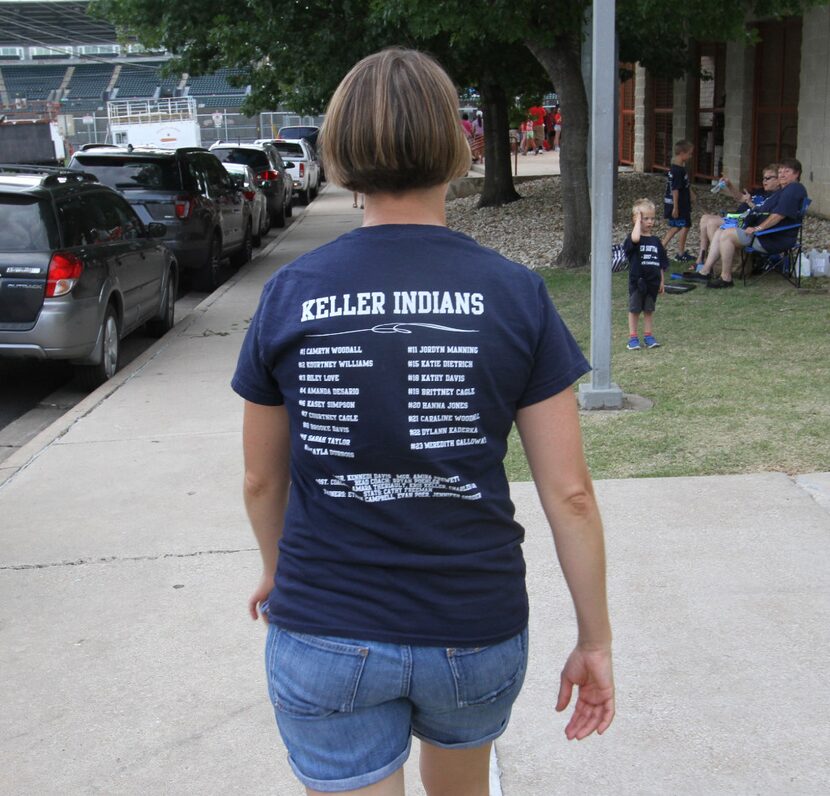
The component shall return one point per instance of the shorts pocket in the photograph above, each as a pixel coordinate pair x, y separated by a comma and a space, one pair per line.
312, 676
484, 674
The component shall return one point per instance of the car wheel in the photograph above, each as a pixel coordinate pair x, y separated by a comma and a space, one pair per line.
158, 327
305, 196
207, 277
289, 206
278, 218
244, 254
313, 192
92, 376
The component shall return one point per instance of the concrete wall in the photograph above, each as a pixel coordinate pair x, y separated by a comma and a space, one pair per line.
683, 118
814, 109
737, 134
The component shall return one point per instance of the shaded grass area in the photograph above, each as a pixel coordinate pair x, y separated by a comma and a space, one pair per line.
741, 382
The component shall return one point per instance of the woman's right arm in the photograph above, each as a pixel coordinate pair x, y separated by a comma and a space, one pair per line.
266, 446
553, 444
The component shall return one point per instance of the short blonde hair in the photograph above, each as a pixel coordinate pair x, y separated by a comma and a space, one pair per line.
683, 146
641, 205
392, 125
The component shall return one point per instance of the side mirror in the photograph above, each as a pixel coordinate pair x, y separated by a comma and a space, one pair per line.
289, 164
238, 181
155, 229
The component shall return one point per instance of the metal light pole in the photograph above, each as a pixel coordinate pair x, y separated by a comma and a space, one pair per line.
601, 393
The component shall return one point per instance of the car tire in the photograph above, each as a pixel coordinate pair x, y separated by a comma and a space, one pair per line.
92, 376
289, 206
304, 196
207, 277
158, 327
313, 191
278, 218
243, 255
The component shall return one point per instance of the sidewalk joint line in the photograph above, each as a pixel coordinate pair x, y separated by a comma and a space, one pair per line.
110, 559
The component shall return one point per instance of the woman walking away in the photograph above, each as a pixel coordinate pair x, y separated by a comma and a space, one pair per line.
382, 374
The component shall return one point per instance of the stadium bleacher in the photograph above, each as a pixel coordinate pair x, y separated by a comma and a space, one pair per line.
137, 80
211, 85
32, 82
89, 81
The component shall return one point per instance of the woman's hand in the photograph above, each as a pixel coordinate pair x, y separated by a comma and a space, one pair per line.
260, 595
590, 670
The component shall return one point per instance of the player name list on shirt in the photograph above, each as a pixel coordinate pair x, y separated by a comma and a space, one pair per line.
440, 413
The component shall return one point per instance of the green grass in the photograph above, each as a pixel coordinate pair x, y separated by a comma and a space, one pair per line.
740, 384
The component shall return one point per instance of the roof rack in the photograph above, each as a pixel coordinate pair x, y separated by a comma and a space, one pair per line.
50, 175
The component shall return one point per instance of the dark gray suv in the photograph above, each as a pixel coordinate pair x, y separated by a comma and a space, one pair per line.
188, 189
79, 270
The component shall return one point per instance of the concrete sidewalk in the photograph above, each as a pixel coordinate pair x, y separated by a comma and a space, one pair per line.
129, 665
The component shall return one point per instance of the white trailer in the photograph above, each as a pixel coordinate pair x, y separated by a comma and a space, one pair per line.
165, 123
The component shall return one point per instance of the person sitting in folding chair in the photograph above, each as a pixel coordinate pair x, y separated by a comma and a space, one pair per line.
784, 209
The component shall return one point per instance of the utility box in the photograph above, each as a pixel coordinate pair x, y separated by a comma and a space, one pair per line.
166, 123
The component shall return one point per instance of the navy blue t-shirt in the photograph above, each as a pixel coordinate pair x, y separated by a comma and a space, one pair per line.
645, 261
785, 202
402, 353
677, 179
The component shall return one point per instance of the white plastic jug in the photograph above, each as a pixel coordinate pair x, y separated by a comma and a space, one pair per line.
805, 262
820, 264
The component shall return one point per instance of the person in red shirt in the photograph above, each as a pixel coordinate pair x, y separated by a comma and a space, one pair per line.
538, 114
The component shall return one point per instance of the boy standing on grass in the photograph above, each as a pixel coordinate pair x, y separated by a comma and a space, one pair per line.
677, 203
647, 261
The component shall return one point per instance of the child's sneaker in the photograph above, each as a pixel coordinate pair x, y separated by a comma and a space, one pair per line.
684, 257
633, 344
650, 341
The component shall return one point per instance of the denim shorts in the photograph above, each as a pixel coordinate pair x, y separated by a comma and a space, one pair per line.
747, 239
679, 222
346, 709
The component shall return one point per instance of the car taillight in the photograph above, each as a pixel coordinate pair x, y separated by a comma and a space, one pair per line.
64, 272
268, 174
249, 195
302, 169
183, 207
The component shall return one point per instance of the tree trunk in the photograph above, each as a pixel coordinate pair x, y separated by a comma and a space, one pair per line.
562, 63
498, 175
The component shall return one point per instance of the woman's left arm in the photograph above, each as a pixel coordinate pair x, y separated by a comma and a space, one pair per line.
266, 446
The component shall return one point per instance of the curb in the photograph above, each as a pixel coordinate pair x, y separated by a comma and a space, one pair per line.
26, 454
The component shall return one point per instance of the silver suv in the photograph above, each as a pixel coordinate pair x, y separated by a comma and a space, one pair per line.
302, 165
79, 270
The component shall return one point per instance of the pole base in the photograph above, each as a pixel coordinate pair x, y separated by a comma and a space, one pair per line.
591, 397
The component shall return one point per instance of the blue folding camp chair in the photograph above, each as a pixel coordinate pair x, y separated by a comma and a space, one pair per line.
784, 262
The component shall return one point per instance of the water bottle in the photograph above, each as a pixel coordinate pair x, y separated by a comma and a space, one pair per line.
820, 266
718, 185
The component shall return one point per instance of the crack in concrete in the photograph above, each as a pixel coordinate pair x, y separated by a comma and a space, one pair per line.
109, 559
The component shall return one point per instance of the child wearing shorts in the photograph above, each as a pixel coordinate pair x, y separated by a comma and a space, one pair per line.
677, 202
647, 261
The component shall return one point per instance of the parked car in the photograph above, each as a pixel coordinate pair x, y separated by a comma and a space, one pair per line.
79, 270
270, 171
302, 164
246, 180
310, 132
206, 216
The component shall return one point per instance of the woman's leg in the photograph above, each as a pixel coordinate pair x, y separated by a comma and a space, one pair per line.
391, 786
455, 772
709, 225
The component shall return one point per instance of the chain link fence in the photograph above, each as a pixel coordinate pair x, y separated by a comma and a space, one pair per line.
215, 124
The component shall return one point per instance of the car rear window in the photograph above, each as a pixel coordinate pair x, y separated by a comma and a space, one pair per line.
297, 132
254, 158
133, 173
28, 224
290, 150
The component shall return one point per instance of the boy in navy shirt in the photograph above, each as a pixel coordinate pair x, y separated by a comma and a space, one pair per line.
647, 260
677, 202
